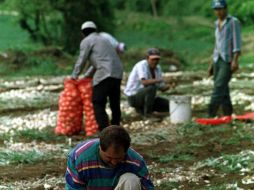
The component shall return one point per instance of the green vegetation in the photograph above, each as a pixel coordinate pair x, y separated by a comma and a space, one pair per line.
230, 163
45, 135
167, 33
49, 22
175, 157
14, 157
189, 38
13, 37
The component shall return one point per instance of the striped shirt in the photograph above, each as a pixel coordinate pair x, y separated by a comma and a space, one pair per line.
101, 55
227, 39
86, 170
141, 71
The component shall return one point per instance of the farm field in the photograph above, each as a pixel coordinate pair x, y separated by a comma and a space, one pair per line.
180, 157
185, 156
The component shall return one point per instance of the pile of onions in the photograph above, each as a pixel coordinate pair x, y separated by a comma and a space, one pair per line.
69, 120
76, 108
85, 89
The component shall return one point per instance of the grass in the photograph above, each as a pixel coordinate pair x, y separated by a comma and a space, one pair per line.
37, 66
175, 157
9, 157
13, 37
46, 135
169, 185
166, 33
190, 38
230, 163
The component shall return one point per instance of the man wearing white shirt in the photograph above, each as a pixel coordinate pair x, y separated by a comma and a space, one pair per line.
143, 82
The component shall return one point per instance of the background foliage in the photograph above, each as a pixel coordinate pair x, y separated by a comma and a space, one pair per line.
55, 25
58, 22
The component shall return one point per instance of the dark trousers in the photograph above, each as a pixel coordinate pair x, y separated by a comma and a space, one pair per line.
108, 88
221, 95
145, 101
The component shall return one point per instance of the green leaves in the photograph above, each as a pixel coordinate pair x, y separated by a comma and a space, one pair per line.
10, 157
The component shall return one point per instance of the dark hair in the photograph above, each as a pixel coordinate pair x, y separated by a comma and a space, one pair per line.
88, 31
115, 136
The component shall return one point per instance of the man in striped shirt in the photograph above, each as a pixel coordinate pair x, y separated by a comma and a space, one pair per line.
107, 163
225, 58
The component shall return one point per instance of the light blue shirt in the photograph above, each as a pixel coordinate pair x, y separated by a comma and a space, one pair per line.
227, 39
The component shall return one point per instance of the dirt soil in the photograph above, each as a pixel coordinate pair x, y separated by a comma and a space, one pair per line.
207, 144
151, 153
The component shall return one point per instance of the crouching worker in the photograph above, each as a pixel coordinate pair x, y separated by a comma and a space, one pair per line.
142, 85
107, 163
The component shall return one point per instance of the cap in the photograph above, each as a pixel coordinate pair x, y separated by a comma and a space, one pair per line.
218, 4
153, 53
88, 24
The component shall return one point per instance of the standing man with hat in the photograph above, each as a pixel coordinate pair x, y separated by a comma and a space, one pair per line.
96, 51
143, 82
225, 57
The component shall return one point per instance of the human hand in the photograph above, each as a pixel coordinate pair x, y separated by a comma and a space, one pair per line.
164, 88
234, 66
210, 70
158, 80
71, 78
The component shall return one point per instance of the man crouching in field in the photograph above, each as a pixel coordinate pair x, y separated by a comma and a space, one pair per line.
107, 163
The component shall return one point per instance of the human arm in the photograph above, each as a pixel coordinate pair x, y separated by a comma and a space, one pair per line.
164, 88
234, 63
162, 85
73, 181
147, 82
90, 72
82, 59
236, 44
146, 183
210, 69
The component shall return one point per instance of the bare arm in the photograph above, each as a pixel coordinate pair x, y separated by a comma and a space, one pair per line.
146, 82
234, 63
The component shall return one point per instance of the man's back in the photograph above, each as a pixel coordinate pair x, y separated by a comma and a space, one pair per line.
103, 57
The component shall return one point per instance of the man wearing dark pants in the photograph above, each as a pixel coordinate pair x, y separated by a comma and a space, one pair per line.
143, 82
225, 58
106, 69
110, 88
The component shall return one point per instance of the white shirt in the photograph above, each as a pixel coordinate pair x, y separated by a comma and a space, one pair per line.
141, 71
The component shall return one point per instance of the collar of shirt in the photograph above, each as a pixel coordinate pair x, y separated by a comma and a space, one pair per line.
149, 68
227, 18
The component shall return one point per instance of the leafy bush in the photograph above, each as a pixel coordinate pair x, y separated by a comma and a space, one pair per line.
58, 22
243, 10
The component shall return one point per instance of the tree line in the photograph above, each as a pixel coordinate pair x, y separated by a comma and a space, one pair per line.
57, 22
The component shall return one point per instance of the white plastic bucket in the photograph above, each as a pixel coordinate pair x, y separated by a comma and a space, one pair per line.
180, 109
